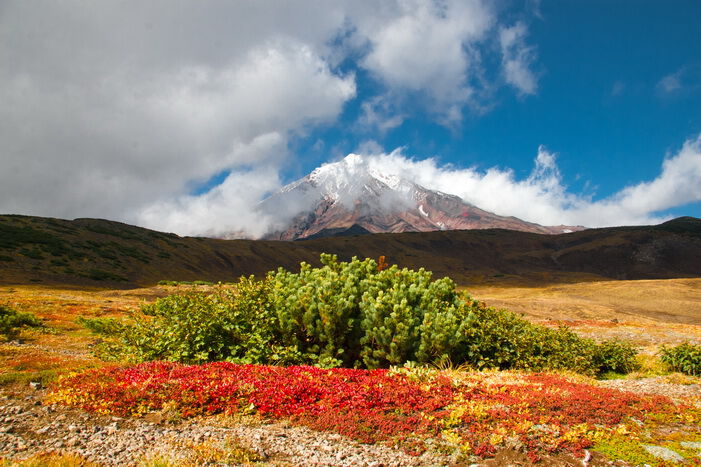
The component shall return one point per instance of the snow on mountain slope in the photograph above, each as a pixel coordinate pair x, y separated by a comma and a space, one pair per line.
350, 192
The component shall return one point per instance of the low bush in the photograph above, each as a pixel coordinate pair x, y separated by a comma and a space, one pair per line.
195, 328
101, 275
12, 322
171, 283
477, 413
616, 356
685, 358
351, 314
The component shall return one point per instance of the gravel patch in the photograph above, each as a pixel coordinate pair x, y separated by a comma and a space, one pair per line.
657, 385
27, 428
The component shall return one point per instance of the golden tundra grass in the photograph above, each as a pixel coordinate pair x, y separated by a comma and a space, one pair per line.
64, 345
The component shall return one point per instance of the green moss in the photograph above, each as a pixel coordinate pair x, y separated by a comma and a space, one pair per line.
623, 448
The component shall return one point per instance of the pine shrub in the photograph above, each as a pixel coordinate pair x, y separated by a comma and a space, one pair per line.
351, 314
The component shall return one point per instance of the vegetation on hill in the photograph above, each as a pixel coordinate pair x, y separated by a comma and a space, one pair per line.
102, 253
354, 314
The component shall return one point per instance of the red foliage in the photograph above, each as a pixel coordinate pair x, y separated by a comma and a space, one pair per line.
371, 405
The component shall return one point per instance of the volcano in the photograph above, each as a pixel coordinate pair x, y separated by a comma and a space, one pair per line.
350, 197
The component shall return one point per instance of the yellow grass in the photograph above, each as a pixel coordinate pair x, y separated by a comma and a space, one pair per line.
648, 312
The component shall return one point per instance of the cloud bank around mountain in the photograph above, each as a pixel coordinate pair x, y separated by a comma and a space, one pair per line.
229, 210
543, 198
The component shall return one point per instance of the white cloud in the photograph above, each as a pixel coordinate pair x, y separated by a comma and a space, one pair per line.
379, 114
543, 198
108, 109
517, 58
670, 83
427, 47
225, 211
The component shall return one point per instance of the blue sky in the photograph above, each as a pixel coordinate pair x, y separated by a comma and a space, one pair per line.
600, 104
182, 117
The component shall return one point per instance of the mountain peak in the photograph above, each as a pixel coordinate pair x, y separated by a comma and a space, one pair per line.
353, 191
347, 179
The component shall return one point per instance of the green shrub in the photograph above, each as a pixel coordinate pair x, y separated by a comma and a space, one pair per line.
100, 275
33, 254
352, 314
615, 356
173, 283
104, 326
12, 322
196, 327
685, 358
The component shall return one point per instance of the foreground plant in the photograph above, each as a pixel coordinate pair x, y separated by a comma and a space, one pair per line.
12, 322
685, 358
352, 314
475, 413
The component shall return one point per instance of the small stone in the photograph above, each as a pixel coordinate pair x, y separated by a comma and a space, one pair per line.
41, 431
36, 385
154, 417
663, 453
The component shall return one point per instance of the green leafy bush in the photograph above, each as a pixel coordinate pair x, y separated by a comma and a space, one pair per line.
196, 327
12, 322
501, 339
352, 314
616, 356
685, 358
164, 282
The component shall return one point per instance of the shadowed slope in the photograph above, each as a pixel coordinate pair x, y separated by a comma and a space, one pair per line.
99, 252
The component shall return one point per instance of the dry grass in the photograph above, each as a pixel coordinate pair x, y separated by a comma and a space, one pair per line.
648, 312
41, 355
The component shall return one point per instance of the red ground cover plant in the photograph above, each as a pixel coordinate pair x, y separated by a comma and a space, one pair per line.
474, 412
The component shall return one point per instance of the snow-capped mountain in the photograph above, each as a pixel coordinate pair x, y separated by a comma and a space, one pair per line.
352, 197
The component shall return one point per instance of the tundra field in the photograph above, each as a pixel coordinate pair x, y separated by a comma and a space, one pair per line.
171, 414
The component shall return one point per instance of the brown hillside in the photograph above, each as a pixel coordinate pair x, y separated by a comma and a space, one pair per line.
105, 253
